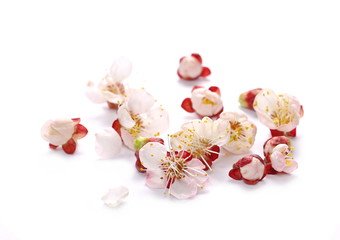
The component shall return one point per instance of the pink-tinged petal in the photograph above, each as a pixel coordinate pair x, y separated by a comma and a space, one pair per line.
205, 72
125, 118
115, 196
235, 174
116, 126
94, 93
187, 105
70, 146
108, 143
139, 101
183, 188
58, 132
195, 164
120, 69
215, 89
128, 139
195, 167
278, 161
198, 57
254, 170
291, 166
189, 68
156, 122
181, 59
80, 132
155, 179
152, 154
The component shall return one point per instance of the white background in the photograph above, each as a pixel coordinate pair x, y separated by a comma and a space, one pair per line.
49, 50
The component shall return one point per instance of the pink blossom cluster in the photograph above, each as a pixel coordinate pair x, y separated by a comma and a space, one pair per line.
181, 167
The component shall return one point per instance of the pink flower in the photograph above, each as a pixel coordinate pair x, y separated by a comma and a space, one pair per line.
111, 89
202, 138
64, 132
280, 113
190, 68
178, 173
138, 144
250, 169
242, 132
278, 155
206, 102
139, 116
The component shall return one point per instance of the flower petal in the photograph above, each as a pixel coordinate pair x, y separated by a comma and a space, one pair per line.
108, 143
94, 93
155, 179
183, 188
139, 101
115, 196
120, 69
124, 117
152, 154
156, 121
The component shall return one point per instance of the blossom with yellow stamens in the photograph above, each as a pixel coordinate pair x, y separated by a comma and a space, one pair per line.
280, 113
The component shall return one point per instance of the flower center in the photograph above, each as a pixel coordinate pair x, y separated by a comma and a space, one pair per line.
174, 167
282, 115
136, 129
208, 101
236, 131
116, 88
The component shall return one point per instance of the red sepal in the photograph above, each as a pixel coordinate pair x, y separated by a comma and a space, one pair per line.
196, 87
76, 120
187, 105
291, 133
250, 96
269, 169
216, 90
53, 146
235, 173
159, 140
276, 133
207, 164
184, 155
113, 106
139, 166
116, 126
198, 57
213, 156
205, 72
251, 182
70, 146
80, 132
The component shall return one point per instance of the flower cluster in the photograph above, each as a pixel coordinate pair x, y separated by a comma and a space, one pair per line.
180, 164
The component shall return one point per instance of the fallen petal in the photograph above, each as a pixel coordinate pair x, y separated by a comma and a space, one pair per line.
115, 196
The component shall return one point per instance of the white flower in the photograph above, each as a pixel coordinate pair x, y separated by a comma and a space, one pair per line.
176, 172
278, 112
204, 101
110, 88
190, 68
139, 116
115, 196
282, 160
59, 131
108, 143
202, 138
242, 132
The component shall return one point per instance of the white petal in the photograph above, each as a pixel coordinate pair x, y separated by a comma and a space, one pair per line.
155, 179
115, 196
108, 143
120, 69
233, 116
156, 122
278, 161
253, 171
195, 167
94, 93
139, 101
124, 117
265, 104
58, 132
127, 138
183, 188
152, 154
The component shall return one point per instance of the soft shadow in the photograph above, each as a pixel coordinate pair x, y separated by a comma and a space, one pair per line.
248, 112
191, 83
281, 178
